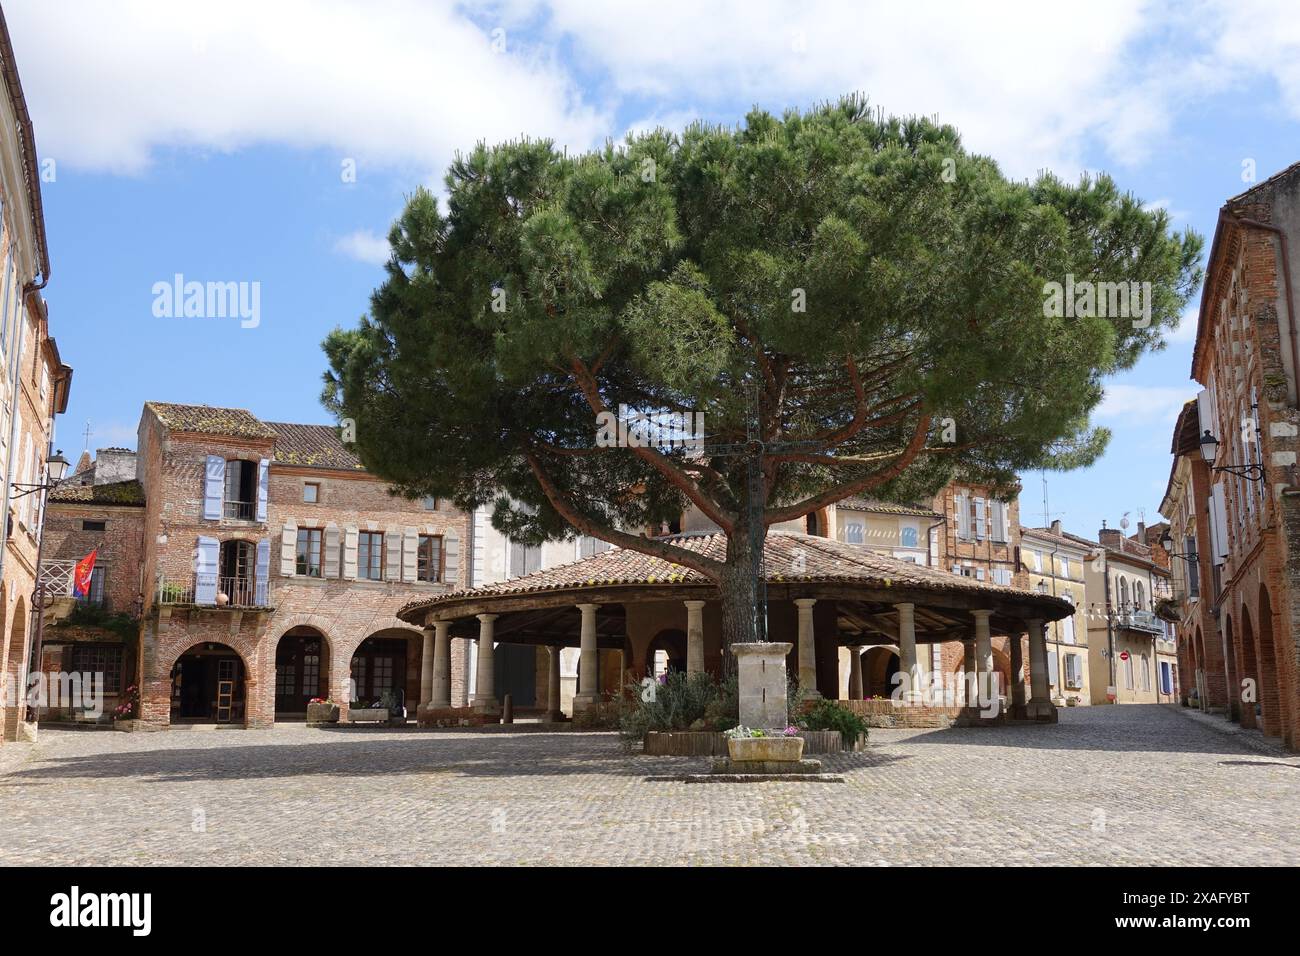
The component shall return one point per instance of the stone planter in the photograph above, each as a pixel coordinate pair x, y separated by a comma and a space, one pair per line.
322, 714
765, 749
134, 725
375, 714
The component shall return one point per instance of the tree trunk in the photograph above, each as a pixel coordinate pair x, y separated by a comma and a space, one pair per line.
744, 612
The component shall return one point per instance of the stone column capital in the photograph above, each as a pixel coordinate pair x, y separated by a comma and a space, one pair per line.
695, 605
981, 614
440, 628
804, 603
587, 608
487, 618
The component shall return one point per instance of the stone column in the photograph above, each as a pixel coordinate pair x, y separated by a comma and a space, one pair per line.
485, 698
588, 695
1017, 694
807, 648
441, 664
984, 655
855, 673
553, 684
426, 668
694, 636
1040, 706
761, 684
907, 649
969, 673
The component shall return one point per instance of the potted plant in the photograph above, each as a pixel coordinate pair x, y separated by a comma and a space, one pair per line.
127, 711
322, 710
746, 744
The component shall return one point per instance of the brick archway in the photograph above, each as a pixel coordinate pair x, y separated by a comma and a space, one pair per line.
1249, 669
1274, 699
198, 693
1233, 695
14, 666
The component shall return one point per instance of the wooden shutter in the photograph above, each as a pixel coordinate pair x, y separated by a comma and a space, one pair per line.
393, 553
518, 560
410, 558
262, 573
979, 519
962, 506
350, 553
214, 487
450, 558
1219, 523
206, 559
532, 558
1051, 668
330, 566
263, 477
288, 549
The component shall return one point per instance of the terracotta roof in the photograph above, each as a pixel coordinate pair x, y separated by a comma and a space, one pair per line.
888, 507
789, 558
209, 419
119, 493
312, 446
1065, 538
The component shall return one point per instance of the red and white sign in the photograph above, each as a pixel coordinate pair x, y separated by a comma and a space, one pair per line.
1123, 655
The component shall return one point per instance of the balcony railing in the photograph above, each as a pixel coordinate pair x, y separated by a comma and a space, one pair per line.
1142, 621
239, 592
241, 510
56, 577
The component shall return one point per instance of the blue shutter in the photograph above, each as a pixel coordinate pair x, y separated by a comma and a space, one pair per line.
263, 474
262, 571
214, 487
206, 559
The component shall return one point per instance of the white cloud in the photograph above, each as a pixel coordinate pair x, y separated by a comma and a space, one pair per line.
364, 246
398, 82
1142, 405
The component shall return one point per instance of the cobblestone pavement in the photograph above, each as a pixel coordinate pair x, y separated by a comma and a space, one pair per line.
1108, 785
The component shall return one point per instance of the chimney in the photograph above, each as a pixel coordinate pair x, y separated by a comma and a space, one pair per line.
114, 464
1056, 526
1111, 538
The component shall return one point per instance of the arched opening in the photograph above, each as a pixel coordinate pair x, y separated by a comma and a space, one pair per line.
1274, 697
208, 685
15, 690
667, 652
236, 572
811, 524
1230, 665
1123, 594
1139, 596
1250, 708
386, 671
879, 665
301, 671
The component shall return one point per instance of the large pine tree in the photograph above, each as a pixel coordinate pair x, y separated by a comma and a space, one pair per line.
856, 283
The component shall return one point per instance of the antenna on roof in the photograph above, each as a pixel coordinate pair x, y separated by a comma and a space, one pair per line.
88, 432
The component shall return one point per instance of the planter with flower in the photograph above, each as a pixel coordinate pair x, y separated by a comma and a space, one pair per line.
773, 746
322, 710
127, 713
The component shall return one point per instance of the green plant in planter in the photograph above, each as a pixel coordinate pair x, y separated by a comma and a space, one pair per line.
677, 701
830, 715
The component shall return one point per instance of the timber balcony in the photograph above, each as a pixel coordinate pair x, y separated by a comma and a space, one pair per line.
236, 593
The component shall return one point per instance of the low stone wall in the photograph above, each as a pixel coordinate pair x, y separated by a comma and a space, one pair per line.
698, 743
453, 717
884, 713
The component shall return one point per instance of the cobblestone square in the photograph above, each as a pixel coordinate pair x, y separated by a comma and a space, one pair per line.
1128, 786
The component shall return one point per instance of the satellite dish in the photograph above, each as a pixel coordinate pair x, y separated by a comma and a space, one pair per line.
1123, 522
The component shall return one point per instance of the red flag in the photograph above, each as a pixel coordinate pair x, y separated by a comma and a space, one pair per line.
81, 575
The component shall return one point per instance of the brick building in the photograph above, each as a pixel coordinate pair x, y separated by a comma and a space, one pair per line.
269, 567
34, 386
1234, 489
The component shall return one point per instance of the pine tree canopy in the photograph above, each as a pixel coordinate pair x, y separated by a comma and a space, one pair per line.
854, 282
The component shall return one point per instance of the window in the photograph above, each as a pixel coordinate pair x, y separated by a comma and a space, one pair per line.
1166, 678
311, 493
1002, 576
370, 555
853, 532
1128, 673
1053, 676
241, 490
99, 659
1146, 673
589, 546
309, 551
429, 504
428, 558
524, 559
1073, 671
1067, 629
1193, 567
909, 537
93, 525
1065, 567
95, 594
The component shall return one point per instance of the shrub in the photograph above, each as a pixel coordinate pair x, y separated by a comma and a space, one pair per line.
830, 715
677, 701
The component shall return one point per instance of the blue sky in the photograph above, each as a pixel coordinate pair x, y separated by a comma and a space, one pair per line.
211, 140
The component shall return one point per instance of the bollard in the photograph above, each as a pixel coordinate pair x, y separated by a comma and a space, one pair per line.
507, 710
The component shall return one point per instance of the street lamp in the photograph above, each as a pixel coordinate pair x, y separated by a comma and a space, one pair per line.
1167, 542
1210, 448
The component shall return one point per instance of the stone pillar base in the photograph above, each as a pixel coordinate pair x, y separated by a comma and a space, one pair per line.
583, 703
1041, 710
488, 705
